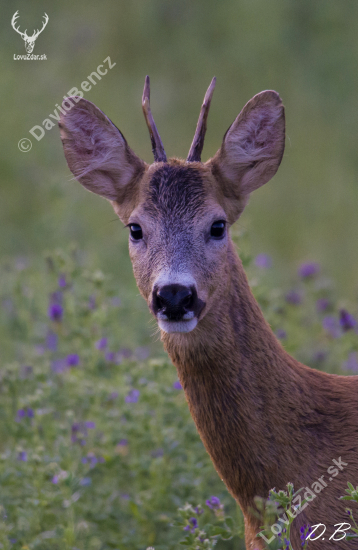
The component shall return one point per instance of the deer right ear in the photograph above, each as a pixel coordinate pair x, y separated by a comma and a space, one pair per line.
251, 151
98, 155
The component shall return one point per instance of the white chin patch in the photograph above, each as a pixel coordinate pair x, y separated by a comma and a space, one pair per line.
177, 326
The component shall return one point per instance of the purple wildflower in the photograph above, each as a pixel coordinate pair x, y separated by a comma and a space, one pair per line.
177, 385
22, 456
110, 356
263, 261
322, 304
21, 413
346, 320
352, 362
101, 344
123, 442
308, 270
90, 424
92, 302
294, 297
213, 503
55, 312
73, 360
330, 324
62, 281
281, 334
198, 510
84, 460
93, 460
193, 524
132, 396
55, 479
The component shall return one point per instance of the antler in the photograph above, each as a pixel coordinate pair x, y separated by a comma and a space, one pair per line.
36, 33
13, 21
196, 147
157, 145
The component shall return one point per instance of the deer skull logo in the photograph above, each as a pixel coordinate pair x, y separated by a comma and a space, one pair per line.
29, 40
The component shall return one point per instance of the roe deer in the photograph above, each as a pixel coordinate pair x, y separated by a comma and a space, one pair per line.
264, 418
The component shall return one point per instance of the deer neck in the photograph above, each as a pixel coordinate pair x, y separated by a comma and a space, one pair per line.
235, 373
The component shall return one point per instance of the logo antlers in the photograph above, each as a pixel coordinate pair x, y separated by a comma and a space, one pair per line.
29, 40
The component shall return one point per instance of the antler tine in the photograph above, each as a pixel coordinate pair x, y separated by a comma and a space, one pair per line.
13, 22
14, 18
157, 145
37, 32
196, 147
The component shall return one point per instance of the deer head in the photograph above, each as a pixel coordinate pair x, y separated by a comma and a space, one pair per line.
178, 212
29, 40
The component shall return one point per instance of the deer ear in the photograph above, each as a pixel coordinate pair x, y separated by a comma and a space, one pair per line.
251, 151
97, 153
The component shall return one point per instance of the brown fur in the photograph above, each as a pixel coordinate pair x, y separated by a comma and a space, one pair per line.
264, 418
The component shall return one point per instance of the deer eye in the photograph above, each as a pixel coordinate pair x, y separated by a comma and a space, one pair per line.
217, 230
136, 232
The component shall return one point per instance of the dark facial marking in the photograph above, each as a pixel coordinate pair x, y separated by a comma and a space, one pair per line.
175, 191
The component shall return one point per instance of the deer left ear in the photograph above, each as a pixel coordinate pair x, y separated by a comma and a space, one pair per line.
251, 151
99, 156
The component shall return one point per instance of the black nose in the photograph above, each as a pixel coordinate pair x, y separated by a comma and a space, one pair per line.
174, 301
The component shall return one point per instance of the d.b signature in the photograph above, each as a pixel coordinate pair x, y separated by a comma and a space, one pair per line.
318, 531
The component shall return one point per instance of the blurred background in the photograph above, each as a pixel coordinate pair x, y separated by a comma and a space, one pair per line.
307, 51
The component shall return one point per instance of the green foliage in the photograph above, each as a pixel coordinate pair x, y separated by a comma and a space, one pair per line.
97, 446
353, 497
204, 532
307, 317
279, 505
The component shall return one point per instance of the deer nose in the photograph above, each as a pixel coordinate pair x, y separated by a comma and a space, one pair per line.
174, 301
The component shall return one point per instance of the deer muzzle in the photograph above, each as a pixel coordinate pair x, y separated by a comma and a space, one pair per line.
176, 307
